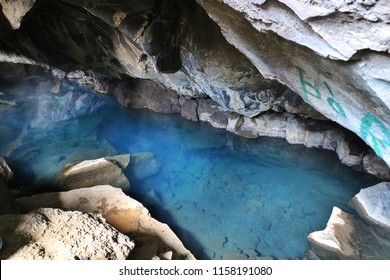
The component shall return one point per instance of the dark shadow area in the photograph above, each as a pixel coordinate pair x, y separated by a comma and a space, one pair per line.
162, 215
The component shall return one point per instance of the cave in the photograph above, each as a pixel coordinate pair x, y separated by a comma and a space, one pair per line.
249, 130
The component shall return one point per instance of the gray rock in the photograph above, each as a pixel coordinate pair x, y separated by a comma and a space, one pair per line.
372, 205
348, 237
109, 170
95, 172
346, 98
47, 234
373, 164
147, 94
338, 239
142, 165
188, 109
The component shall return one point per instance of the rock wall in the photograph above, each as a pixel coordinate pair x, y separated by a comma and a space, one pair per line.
334, 54
290, 119
317, 50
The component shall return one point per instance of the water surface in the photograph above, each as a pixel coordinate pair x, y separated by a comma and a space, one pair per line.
226, 197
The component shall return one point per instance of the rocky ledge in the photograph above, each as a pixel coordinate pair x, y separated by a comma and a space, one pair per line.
99, 222
365, 236
290, 119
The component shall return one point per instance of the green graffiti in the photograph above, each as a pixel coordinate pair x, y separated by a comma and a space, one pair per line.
314, 91
328, 88
336, 106
380, 137
305, 85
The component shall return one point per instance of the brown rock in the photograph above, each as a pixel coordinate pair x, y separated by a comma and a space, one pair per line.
122, 212
46, 234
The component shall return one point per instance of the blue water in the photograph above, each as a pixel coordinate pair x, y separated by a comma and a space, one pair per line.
226, 197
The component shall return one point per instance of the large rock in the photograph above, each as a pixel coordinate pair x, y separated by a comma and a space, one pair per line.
142, 165
14, 11
47, 234
90, 173
109, 170
147, 94
347, 237
122, 212
373, 204
338, 239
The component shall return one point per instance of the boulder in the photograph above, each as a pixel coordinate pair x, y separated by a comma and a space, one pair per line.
90, 173
14, 11
373, 164
109, 170
142, 165
48, 234
347, 237
189, 109
147, 94
122, 212
338, 240
373, 204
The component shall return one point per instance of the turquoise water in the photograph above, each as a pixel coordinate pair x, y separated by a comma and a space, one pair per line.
226, 197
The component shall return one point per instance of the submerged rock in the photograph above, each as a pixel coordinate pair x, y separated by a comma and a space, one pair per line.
122, 212
47, 234
142, 165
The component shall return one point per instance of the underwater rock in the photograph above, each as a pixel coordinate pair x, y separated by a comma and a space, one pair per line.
122, 212
142, 165
47, 234
235, 255
372, 205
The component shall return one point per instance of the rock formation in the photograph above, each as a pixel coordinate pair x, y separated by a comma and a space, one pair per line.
87, 223
356, 237
109, 170
372, 205
251, 50
90, 173
279, 68
47, 234
153, 239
